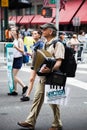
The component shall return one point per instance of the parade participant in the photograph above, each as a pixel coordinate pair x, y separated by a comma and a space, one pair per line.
49, 32
17, 61
74, 43
38, 44
82, 41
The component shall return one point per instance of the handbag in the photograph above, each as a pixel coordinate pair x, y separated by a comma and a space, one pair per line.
25, 56
56, 78
56, 96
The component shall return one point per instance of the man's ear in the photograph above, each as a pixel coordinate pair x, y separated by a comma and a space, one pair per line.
51, 31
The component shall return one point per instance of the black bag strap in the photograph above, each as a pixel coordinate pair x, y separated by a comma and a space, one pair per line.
54, 42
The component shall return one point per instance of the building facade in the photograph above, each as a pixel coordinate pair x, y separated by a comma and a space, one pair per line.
71, 19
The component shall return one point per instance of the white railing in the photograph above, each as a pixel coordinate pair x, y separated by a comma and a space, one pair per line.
2, 53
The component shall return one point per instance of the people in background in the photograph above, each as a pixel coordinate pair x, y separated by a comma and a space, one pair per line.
82, 40
38, 44
17, 61
26, 32
74, 43
8, 36
62, 37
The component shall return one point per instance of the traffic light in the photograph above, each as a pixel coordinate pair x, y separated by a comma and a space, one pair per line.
46, 12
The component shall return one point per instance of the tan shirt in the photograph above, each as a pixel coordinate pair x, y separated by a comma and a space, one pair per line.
59, 50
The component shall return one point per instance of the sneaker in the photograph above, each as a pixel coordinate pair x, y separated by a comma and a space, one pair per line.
24, 89
25, 98
13, 93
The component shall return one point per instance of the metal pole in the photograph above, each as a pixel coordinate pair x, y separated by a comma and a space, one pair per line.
2, 24
5, 20
57, 15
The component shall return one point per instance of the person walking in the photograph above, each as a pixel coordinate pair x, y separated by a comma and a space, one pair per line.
18, 60
74, 43
82, 40
49, 32
36, 34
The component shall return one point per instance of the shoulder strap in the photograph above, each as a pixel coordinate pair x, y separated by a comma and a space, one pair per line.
54, 42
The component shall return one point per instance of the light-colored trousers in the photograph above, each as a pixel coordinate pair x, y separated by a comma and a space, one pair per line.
37, 104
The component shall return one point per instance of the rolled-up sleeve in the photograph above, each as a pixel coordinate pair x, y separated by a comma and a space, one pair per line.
59, 51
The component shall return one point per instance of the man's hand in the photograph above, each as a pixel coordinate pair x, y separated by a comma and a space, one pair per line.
45, 69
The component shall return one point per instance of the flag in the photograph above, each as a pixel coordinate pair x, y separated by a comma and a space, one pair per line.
62, 4
46, 2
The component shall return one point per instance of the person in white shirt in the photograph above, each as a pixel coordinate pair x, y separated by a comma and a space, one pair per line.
74, 43
18, 60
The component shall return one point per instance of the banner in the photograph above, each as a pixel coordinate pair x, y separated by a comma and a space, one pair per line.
56, 95
9, 58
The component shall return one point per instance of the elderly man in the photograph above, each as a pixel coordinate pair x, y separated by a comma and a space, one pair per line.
49, 32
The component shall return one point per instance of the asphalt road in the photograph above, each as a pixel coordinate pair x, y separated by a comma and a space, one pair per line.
73, 112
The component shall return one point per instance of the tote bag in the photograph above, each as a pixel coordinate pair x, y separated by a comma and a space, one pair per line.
55, 95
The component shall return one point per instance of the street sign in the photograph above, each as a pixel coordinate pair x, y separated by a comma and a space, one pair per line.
52, 1
4, 3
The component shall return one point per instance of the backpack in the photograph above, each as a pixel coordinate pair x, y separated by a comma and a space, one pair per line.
69, 64
25, 56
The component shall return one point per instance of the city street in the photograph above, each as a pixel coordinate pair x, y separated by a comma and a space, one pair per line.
73, 111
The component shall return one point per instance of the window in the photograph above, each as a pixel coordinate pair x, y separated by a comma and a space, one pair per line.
39, 7
30, 11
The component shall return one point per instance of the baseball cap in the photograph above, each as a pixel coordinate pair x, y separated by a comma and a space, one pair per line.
62, 33
74, 35
48, 25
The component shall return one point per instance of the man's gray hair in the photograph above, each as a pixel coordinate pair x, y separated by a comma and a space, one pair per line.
54, 33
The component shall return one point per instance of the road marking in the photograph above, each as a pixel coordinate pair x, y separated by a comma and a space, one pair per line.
81, 71
82, 66
77, 83
26, 69
85, 102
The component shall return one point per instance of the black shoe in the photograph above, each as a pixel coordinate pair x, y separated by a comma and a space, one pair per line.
24, 89
32, 68
25, 98
13, 93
